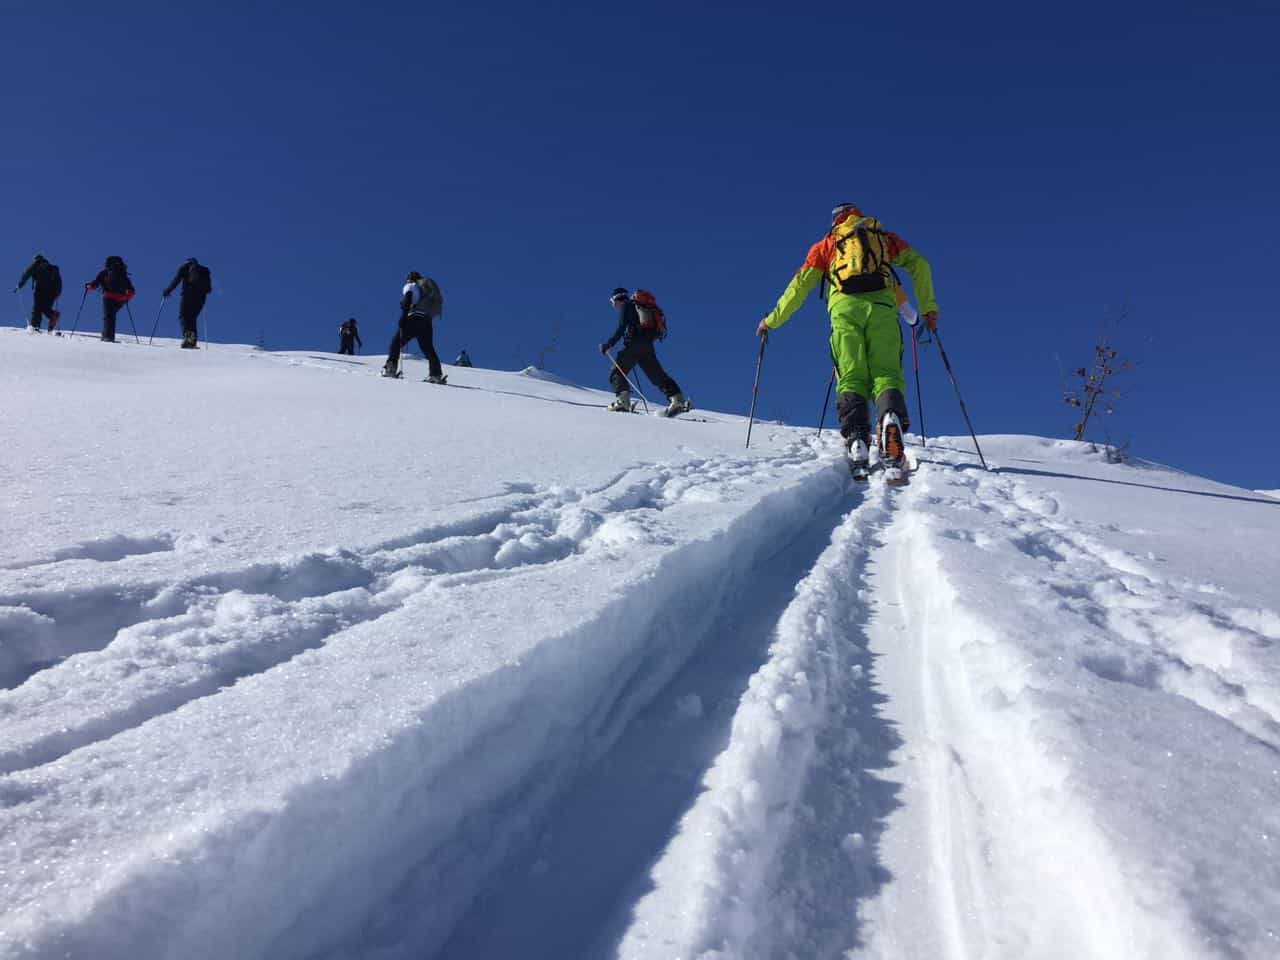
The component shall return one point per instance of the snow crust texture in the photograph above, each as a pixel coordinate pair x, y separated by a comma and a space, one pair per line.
341, 669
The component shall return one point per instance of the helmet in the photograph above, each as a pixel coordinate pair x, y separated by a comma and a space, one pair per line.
413, 277
619, 294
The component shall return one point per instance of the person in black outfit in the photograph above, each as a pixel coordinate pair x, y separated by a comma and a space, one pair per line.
197, 284
46, 287
348, 336
117, 290
463, 360
420, 303
637, 350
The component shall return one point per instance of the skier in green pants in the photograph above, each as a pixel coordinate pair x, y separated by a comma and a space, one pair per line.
856, 258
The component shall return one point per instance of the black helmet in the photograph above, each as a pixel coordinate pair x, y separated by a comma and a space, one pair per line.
619, 294
413, 277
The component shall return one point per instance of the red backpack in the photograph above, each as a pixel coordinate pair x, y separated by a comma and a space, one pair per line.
652, 319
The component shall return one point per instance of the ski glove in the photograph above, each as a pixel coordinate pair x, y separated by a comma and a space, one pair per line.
763, 329
931, 320
604, 348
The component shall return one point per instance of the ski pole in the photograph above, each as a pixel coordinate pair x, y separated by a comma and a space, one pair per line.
633, 386
827, 401
131, 323
755, 389
947, 364
915, 363
81, 307
157, 323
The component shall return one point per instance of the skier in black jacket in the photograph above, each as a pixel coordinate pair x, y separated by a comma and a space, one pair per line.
46, 287
348, 336
197, 284
637, 350
117, 290
420, 303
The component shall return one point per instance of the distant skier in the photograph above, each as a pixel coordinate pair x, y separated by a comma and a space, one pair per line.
463, 360
638, 336
197, 284
46, 287
420, 304
348, 337
856, 258
117, 290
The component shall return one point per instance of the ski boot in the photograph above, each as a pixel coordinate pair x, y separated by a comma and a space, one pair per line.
893, 454
390, 369
55, 316
436, 378
188, 341
859, 459
679, 404
621, 403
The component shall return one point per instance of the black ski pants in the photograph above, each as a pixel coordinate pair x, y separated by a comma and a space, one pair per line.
415, 327
640, 353
109, 310
189, 308
347, 345
42, 306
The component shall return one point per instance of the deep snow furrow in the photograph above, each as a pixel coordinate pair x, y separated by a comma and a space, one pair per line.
270, 613
585, 863
716, 890
468, 733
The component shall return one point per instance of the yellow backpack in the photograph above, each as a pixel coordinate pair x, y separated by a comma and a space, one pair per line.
861, 260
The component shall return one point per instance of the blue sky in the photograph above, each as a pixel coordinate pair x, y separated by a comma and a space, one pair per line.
1055, 165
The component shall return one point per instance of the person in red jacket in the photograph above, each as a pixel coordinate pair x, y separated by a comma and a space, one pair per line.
117, 290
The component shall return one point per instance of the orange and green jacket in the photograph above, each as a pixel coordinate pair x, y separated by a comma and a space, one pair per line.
818, 265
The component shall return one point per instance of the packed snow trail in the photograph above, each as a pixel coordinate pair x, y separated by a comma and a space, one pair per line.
1037, 805
316, 678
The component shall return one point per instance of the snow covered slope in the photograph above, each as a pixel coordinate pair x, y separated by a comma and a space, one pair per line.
300, 662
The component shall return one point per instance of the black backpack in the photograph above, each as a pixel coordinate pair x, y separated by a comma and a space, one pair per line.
117, 276
49, 278
199, 278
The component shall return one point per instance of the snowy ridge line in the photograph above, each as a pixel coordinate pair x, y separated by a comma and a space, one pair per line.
270, 613
374, 370
1010, 766
716, 892
458, 746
